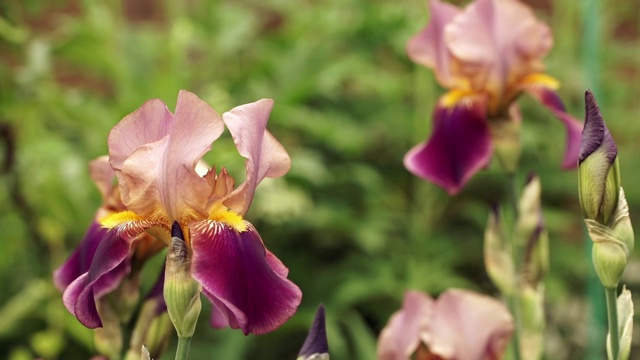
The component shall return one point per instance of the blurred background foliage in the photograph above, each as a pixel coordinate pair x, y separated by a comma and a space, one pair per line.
354, 227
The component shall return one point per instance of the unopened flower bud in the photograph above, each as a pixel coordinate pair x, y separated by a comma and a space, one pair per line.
531, 233
181, 291
315, 346
599, 174
497, 254
609, 254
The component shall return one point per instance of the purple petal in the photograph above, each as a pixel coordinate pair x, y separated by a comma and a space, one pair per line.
549, 98
265, 155
237, 275
107, 270
157, 292
459, 146
80, 260
428, 46
316, 341
596, 133
402, 335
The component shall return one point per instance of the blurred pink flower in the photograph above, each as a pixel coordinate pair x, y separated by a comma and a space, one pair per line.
486, 54
460, 325
154, 154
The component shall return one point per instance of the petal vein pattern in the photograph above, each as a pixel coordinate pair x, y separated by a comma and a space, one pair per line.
245, 282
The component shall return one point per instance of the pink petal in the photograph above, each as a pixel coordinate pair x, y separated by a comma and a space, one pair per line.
469, 326
460, 146
265, 155
497, 42
245, 285
401, 336
80, 260
103, 176
155, 155
428, 47
549, 98
105, 273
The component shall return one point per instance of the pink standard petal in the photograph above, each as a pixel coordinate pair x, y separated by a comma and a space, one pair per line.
428, 47
265, 155
497, 42
459, 146
158, 175
102, 175
401, 336
245, 284
550, 99
80, 260
106, 271
469, 326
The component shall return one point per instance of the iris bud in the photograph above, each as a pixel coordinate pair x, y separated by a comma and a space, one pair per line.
598, 174
602, 199
181, 291
498, 254
315, 346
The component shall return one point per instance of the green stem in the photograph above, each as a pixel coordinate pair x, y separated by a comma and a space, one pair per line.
612, 312
182, 353
514, 301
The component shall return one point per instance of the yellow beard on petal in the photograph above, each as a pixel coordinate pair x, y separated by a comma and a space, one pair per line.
455, 96
230, 218
542, 80
113, 220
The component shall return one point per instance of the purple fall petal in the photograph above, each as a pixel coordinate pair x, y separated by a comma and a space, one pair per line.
80, 260
550, 99
108, 267
237, 275
157, 292
460, 146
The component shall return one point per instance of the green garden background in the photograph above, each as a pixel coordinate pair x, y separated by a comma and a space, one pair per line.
354, 227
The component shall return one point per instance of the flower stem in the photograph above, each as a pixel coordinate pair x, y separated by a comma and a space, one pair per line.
182, 353
513, 299
612, 312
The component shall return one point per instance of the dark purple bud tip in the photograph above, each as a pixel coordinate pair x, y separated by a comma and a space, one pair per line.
595, 133
530, 176
495, 209
176, 231
316, 342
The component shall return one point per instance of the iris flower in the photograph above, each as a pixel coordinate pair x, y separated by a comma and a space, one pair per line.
154, 154
486, 55
460, 325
